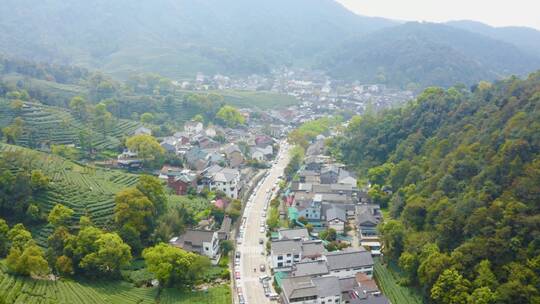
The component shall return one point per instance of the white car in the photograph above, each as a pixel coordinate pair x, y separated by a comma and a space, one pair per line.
262, 230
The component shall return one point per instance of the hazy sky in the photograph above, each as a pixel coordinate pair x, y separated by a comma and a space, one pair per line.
493, 12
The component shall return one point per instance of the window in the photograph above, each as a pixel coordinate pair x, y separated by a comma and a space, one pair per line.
280, 257
206, 248
279, 264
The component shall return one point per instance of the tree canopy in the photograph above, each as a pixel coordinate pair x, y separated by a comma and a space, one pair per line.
173, 266
230, 116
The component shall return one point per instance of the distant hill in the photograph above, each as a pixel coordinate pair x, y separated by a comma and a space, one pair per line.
177, 38
423, 54
527, 39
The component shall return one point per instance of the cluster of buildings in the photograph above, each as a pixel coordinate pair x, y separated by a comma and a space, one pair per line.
317, 92
326, 195
216, 159
310, 274
215, 164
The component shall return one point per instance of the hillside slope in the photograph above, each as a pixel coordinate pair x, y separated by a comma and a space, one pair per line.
177, 38
424, 54
527, 39
464, 174
87, 190
44, 126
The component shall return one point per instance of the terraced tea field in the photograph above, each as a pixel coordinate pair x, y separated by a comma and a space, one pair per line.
388, 282
87, 190
51, 125
21, 290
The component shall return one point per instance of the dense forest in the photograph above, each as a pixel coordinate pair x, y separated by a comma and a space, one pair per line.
459, 171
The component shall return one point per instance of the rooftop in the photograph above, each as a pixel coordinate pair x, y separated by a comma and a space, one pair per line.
310, 268
296, 233
348, 258
286, 247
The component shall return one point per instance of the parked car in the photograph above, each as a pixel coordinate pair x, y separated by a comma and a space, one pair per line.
241, 299
261, 241
262, 268
237, 255
264, 278
262, 230
237, 275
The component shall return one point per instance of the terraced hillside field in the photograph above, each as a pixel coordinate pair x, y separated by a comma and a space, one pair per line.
22, 290
87, 190
47, 125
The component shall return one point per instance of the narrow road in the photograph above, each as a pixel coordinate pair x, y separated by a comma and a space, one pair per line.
250, 249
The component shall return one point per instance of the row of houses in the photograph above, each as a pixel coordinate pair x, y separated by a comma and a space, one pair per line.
313, 275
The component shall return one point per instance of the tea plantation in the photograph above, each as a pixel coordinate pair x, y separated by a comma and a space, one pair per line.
47, 125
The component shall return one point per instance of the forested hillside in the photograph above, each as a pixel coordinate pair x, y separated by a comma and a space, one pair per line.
417, 55
528, 39
177, 38
460, 174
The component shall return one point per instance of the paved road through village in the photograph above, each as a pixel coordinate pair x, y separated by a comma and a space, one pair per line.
250, 249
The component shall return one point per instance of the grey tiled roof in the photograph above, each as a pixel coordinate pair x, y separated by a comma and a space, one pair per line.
350, 258
301, 233
335, 212
312, 248
299, 287
310, 268
286, 246
327, 286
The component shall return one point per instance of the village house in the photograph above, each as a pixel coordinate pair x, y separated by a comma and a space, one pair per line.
234, 155
193, 127
129, 160
368, 216
222, 179
335, 217
203, 242
142, 131
195, 158
261, 154
329, 174
169, 144
182, 138
287, 252
349, 262
293, 233
263, 141
182, 182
